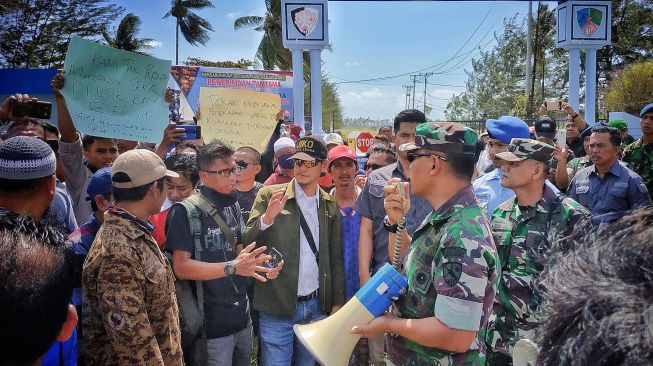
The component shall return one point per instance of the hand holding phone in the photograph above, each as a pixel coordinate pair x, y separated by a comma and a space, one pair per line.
561, 139
276, 258
554, 105
193, 132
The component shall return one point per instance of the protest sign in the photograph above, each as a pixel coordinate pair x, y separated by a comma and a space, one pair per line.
115, 93
190, 79
238, 117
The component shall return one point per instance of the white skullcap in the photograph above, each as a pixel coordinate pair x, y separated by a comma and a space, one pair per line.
283, 142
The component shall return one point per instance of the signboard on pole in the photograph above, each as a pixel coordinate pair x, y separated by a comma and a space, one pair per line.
364, 141
189, 79
584, 24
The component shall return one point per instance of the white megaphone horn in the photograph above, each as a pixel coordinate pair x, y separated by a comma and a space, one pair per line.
330, 340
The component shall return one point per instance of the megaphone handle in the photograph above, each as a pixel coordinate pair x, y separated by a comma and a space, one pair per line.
396, 255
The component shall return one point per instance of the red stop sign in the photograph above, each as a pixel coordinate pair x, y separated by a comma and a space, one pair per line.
364, 141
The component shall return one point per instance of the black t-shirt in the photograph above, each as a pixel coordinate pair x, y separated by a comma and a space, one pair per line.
246, 200
225, 299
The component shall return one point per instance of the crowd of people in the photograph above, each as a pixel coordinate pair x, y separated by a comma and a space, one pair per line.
116, 252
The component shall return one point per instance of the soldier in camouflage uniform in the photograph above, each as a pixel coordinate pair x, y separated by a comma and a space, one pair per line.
129, 294
526, 230
451, 261
639, 155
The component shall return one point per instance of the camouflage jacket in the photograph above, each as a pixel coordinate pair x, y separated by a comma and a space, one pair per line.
451, 271
129, 297
525, 239
574, 165
639, 158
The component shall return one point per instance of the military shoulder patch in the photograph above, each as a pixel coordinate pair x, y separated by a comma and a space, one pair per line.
452, 269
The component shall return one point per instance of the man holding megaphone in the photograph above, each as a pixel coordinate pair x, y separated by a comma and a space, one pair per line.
451, 261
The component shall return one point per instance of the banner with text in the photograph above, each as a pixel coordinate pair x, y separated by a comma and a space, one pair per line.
190, 79
238, 117
115, 93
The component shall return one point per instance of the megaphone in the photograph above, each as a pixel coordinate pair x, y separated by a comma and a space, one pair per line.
330, 341
525, 353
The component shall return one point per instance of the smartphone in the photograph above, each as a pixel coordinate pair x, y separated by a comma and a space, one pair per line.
193, 132
561, 138
554, 105
32, 109
277, 257
400, 188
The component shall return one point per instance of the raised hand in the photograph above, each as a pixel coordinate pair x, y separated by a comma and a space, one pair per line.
276, 204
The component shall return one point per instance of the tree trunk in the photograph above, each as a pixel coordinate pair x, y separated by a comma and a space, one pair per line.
531, 98
177, 43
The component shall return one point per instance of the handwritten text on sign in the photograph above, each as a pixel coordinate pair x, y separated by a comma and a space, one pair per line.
238, 117
115, 93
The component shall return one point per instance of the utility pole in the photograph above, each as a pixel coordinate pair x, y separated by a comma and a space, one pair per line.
426, 78
529, 47
414, 77
408, 89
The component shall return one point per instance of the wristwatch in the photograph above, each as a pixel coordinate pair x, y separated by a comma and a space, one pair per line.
388, 227
229, 268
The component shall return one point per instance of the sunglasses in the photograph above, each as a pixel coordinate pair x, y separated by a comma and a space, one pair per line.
54, 145
413, 155
307, 164
373, 166
224, 173
243, 164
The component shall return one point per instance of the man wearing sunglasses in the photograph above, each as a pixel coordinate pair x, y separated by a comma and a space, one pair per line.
450, 261
224, 265
249, 161
302, 222
527, 229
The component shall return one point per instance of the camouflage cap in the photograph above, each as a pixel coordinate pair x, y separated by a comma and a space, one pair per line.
443, 136
522, 149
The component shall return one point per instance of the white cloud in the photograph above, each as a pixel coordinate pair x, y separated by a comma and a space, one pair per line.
352, 63
154, 43
232, 15
374, 103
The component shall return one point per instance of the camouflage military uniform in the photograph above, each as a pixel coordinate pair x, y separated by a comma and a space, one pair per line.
574, 165
639, 157
450, 265
129, 296
525, 238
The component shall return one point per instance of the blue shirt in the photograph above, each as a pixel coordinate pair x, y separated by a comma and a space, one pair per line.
351, 225
370, 205
62, 207
490, 193
609, 198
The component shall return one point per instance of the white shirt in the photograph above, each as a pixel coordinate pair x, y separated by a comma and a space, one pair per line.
309, 272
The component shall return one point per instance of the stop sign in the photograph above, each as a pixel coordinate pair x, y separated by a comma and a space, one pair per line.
364, 141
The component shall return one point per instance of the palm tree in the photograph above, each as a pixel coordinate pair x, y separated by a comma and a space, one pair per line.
125, 36
193, 27
270, 52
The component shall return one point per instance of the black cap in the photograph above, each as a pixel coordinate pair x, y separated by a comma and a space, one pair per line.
310, 148
545, 127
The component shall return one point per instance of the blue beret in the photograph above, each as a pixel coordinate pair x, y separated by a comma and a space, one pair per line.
100, 184
507, 128
647, 109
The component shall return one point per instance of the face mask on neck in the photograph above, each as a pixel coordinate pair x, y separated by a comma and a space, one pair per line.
285, 162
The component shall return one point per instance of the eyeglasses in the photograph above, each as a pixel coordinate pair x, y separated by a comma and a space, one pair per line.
243, 164
308, 164
413, 155
373, 166
224, 173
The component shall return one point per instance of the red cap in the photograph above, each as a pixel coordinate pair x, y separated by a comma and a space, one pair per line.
341, 151
295, 130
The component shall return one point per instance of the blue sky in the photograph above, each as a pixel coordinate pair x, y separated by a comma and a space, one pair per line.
370, 39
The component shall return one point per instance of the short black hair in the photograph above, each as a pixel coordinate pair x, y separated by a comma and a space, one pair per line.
252, 151
615, 134
597, 304
216, 149
383, 138
185, 165
88, 140
37, 280
186, 145
462, 165
409, 115
390, 155
22, 186
135, 194
49, 127
22, 123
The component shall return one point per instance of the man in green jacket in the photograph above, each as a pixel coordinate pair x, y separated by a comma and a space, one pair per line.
300, 221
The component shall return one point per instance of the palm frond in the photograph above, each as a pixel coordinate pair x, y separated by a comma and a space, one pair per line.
248, 22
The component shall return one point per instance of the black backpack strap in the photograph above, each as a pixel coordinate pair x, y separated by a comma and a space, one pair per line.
308, 234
